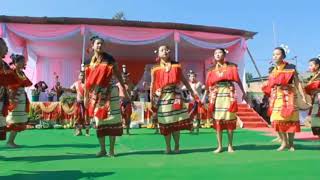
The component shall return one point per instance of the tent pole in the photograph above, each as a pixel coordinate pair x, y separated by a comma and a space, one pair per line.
83, 47
255, 65
176, 51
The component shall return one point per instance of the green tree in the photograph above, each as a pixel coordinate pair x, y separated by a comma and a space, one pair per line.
249, 77
119, 16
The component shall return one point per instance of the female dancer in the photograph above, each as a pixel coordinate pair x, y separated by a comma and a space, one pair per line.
222, 97
313, 89
166, 99
102, 96
282, 87
18, 102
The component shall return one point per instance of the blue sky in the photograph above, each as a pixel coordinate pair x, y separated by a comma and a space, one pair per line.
296, 22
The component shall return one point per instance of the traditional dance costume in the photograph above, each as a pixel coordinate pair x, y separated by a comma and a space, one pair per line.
167, 100
103, 96
81, 119
222, 98
18, 106
283, 110
314, 86
6, 78
196, 110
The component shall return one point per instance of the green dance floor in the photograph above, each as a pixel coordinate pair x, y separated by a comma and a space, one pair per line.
57, 154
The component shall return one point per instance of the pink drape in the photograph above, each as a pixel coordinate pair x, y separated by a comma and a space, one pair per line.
42, 31
129, 33
67, 69
210, 37
60, 46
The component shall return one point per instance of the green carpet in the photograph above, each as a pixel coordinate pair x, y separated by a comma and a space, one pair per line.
56, 154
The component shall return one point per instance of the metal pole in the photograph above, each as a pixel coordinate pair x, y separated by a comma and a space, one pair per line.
83, 47
254, 63
176, 51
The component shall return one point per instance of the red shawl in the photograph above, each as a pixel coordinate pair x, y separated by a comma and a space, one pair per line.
161, 78
279, 78
225, 73
99, 75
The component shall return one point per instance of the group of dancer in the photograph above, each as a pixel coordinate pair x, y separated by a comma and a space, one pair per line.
99, 96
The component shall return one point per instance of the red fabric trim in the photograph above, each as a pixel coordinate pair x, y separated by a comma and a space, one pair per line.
266, 90
166, 129
90, 110
230, 74
147, 114
52, 116
20, 82
286, 127
110, 130
280, 78
68, 117
92, 103
220, 125
312, 86
233, 107
161, 78
25, 83
80, 88
8, 79
99, 75
16, 127
101, 113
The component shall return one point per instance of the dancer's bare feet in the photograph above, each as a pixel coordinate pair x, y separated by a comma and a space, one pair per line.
101, 154
168, 150
282, 147
111, 154
12, 145
218, 150
177, 149
78, 132
87, 132
230, 149
291, 148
